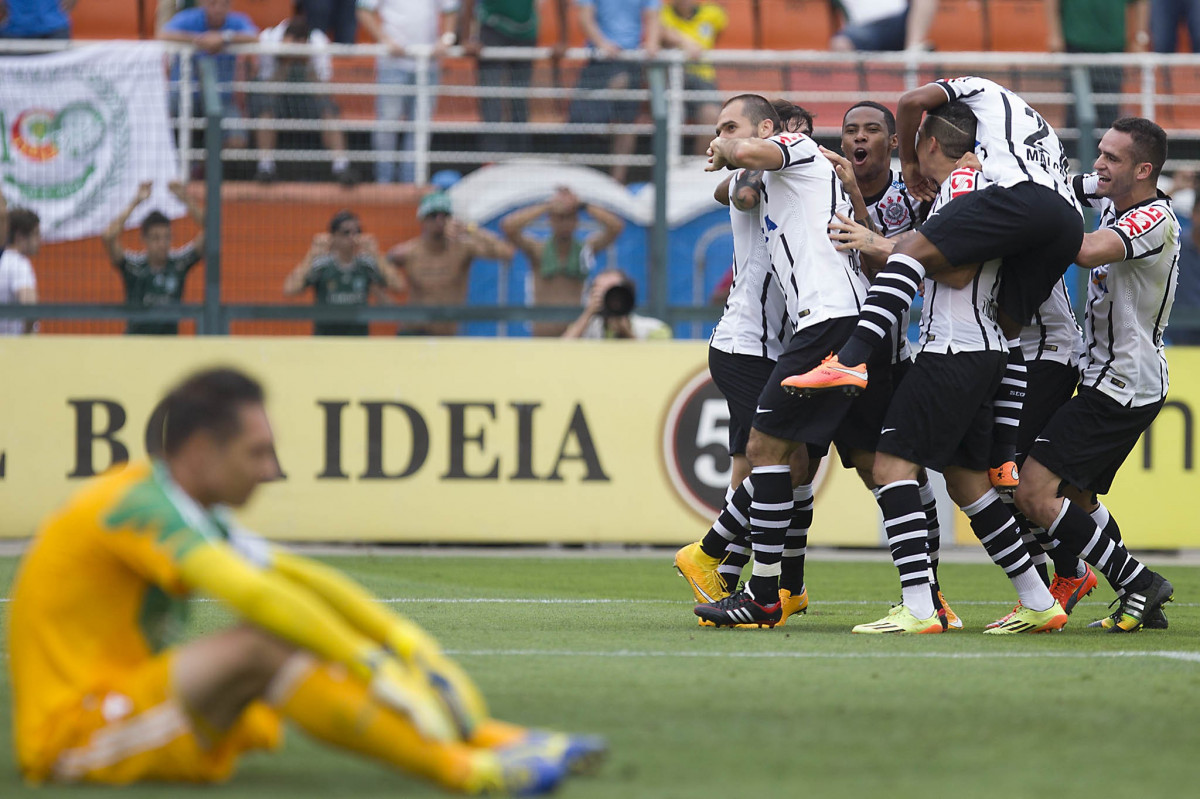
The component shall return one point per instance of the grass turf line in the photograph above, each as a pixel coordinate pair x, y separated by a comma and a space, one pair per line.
808, 708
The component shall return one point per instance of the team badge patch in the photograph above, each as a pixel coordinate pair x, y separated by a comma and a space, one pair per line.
895, 213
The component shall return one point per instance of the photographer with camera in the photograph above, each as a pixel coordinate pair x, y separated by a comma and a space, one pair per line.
609, 312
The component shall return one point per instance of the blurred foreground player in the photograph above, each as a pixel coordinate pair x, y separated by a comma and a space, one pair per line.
101, 695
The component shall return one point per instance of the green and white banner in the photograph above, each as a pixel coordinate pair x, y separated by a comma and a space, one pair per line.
80, 129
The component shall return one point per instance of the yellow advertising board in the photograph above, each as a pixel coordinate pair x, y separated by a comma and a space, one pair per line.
475, 440
469, 440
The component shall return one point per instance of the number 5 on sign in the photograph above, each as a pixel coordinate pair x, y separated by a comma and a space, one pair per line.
713, 429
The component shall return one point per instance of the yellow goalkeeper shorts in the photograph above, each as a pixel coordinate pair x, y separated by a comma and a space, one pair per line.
131, 728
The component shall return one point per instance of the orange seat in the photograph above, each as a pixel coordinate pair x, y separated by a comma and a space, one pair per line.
796, 24
1017, 25
958, 26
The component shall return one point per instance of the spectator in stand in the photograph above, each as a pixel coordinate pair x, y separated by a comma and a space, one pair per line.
560, 264
211, 27
435, 266
35, 19
343, 268
884, 25
22, 235
1093, 26
401, 24
297, 69
154, 277
609, 312
611, 27
1165, 19
338, 18
507, 23
693, 26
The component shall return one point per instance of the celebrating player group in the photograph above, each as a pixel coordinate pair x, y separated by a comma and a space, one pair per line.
1027, 417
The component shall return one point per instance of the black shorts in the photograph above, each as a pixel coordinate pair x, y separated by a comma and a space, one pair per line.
741, 379
829, 416
1088, 439
1035, 231
941, 415
1050, 385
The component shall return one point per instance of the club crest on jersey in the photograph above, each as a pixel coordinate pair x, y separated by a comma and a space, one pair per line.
1100, 278
895, 213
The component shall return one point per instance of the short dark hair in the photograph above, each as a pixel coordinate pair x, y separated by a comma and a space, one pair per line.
341, 218
888, 117
1149, 141
21, 222
154, 219
757, 108
790, 112
208, 401
298, 28
953, 125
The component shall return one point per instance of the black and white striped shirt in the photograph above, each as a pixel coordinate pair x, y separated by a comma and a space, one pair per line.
962, 320
1054, 335
1014, 143
800, 199
755, 319
1130, 301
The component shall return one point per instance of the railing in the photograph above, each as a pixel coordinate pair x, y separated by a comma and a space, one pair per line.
449, 131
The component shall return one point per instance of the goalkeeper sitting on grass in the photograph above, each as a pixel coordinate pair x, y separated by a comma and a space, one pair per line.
101, 695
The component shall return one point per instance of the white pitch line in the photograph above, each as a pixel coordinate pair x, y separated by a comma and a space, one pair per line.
489, 600
1190, 657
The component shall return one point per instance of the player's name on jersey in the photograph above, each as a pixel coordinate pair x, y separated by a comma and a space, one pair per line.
398, 440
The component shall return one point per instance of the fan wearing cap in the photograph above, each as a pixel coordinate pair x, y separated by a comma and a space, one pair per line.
436, 264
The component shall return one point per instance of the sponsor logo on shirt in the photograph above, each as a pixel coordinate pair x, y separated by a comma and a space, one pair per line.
1140, 220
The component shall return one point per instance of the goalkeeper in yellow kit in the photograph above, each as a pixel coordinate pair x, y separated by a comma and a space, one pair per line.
101, 694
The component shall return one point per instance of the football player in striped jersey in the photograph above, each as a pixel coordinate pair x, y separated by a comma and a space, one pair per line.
1134, 260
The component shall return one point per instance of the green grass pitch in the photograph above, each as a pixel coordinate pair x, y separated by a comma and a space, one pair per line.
609, 646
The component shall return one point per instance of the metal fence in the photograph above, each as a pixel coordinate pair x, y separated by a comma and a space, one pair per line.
304, 110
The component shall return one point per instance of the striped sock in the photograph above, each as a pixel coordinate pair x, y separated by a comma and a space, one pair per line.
933, 542
1078, 532
904, 521
770, 517
1007, 403
737, 555
1105, 521
887, 303
791, 576
731, 525
1034, 547
996, 529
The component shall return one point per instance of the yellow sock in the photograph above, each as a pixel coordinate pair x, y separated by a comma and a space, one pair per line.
335, 707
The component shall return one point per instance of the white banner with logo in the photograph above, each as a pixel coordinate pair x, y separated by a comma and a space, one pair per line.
80, 129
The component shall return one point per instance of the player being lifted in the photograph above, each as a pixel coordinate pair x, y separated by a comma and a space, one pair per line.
1028, 216
941, 417
102, 695
1134, 258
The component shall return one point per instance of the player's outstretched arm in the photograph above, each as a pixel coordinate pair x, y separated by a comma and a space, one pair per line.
1104, 246
356, 605
279, 606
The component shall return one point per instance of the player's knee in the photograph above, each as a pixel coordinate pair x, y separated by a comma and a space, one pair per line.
259, 653
765, 450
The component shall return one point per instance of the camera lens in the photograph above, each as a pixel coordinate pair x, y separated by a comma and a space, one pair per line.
618, 300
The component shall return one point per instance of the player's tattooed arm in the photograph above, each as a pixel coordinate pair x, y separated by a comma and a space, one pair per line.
746, 191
